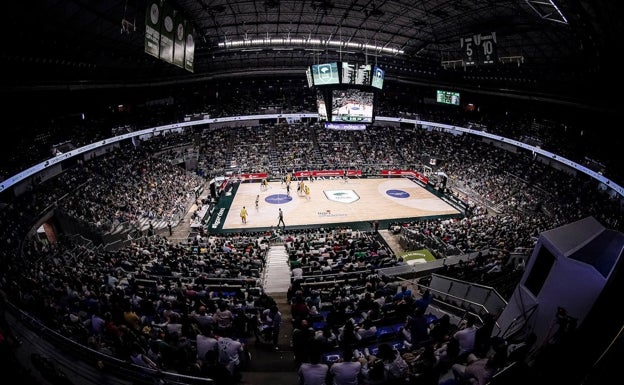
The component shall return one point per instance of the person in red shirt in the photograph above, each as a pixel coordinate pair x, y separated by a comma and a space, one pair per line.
299, 309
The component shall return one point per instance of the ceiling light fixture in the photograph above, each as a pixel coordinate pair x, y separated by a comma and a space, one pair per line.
301, 42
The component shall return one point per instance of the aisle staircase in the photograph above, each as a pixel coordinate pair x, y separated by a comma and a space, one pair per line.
276, 277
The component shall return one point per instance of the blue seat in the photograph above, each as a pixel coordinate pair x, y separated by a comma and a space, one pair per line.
385, 331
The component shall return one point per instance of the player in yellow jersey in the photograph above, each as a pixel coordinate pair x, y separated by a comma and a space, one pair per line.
243, 214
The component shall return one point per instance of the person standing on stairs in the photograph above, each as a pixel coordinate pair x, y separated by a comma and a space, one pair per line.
273, 319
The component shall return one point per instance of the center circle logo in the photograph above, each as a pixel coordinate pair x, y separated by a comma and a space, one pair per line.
398, 193
278, 199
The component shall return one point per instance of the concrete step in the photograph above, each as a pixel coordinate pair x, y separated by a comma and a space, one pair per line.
276, 271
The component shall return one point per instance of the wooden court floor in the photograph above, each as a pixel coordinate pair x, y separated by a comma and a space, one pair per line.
333, 202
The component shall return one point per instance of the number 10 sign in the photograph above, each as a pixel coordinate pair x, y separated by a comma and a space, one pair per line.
479, 49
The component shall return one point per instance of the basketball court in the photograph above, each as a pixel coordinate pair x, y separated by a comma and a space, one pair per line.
330, 202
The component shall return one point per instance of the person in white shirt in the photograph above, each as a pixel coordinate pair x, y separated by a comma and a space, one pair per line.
368, 330
223, 317
230, 352
466, 336
204, 319
297, 274
313, 372
205, 342
272, 317
346, 371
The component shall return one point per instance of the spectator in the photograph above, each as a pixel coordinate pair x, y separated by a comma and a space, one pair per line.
368, 330
326, 338
447, 354
373, 372
466, 336
299, 309
424, 301
441, 329
224, 318
416, 330
313, 372
297, 273
402, 292
348, 336
302, 341
205, 342
213, 369
396, 367
273, 319
423, 370
139, 358
479, 371
346, 371
202, 317
483, 335
131, 319
230, 355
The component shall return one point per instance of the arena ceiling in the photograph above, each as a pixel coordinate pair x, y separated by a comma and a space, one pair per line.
63, 41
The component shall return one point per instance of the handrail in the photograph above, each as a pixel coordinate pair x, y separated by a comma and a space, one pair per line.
472, 304
443, 293
531, 310
474, 284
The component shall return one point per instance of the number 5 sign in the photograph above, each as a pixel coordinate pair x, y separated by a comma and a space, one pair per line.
479, 49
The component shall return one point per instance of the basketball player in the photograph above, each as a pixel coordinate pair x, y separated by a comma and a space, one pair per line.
243, 214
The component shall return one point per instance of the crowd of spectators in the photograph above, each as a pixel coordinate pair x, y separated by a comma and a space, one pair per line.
154, 297
555, 129
138, 187
384, 334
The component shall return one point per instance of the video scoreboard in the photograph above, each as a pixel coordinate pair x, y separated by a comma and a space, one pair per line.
347, 73
447, 97
345, 91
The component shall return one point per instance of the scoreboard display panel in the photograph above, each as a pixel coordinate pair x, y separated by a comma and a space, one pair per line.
447, 97
378, 78
352, 105
356, 74
346, 92
325, 74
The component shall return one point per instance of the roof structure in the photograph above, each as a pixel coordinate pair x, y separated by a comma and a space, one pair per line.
541, 44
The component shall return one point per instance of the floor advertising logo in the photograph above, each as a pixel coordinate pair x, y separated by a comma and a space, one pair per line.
344, 196
397, 193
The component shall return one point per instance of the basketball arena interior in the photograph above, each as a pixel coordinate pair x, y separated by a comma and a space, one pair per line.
311, 192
